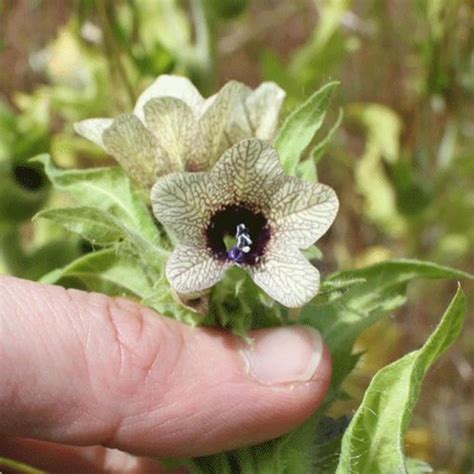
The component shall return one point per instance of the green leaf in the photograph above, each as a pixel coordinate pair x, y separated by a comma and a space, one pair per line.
318, 151
300, 127
372, 293
20, 467
101, 228
292, 453
307, 169
94, 225
373, 442
107, 189
106, 271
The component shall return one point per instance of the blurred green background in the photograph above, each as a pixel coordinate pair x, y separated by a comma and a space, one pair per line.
402, 160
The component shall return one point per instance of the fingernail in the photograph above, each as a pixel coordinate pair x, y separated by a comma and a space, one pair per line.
284, 355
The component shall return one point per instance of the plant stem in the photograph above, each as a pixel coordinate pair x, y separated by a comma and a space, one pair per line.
19, 466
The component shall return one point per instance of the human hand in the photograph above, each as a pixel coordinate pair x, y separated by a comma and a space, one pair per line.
82, 372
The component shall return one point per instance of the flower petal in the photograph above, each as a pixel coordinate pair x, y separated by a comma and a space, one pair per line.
301, 212
136, 149
182, 203
250, 172
286, 276
263, 106
170, 86
92, 129
176, 128
239, 126
192, 269
255, 113
219, 112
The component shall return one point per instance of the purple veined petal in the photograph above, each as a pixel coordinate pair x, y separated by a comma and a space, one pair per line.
250, 173
263, 106
217, 116
286, 275
183, 203
136, 149
191, 269
176, 128
301, 212
255, 113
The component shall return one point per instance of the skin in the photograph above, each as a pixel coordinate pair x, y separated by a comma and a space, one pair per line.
96, 384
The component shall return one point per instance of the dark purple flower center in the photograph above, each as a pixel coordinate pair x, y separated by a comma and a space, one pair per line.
238, 233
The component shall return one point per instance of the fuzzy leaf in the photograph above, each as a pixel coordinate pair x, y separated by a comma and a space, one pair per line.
106, 271
288, 454
107, 189
136, 149
307, 169
373, 442
94, 225
300, 127
318, 151
101, 228
381, 290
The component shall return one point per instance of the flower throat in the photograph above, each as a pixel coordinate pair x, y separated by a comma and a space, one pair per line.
238, 233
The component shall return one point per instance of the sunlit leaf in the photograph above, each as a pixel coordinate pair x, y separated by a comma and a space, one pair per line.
101, 228
301, 125
106, 271
307, 169
92, 224
318, 151
107, 189
373, 442
381, 290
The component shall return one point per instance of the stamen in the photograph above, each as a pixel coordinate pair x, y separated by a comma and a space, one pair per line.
243, 245
238, 233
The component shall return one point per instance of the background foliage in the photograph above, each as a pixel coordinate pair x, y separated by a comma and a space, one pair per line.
402, 162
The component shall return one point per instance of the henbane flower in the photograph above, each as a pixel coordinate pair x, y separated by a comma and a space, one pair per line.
244, 212
173, 128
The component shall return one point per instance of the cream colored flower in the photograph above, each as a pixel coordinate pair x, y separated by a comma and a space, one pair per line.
244, 212
173, 128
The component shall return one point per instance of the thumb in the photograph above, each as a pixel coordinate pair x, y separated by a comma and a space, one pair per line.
84, 369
